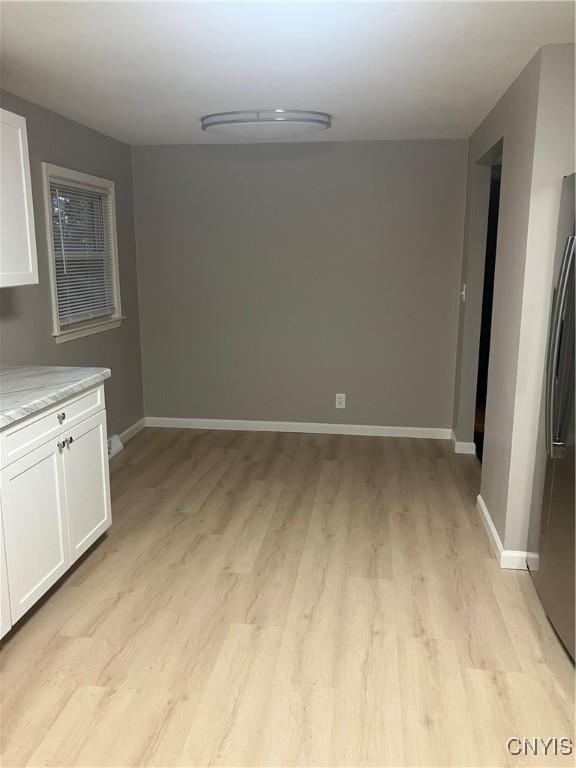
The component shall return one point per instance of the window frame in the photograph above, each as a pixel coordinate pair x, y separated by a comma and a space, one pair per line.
80, 179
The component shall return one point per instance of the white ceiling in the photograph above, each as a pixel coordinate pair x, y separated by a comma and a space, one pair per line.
145, 72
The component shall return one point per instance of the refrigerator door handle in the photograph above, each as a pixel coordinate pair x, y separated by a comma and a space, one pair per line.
549, 374
553, 447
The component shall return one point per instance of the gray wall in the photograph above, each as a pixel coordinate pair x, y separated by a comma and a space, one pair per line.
535, 120
513, 118
554, 157
274, 276
25, 313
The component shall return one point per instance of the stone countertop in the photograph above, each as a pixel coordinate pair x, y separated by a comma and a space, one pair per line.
26, 389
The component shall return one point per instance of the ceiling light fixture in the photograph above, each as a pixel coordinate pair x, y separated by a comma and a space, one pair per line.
266, 123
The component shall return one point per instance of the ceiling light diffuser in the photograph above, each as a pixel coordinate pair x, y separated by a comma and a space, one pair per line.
266, 123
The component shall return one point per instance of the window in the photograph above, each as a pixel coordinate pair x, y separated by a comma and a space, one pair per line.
81, 222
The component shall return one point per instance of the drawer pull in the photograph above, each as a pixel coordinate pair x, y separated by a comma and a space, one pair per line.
70, 440
61, 417
61, 444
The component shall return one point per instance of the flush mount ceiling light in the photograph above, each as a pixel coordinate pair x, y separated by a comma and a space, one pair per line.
266, 123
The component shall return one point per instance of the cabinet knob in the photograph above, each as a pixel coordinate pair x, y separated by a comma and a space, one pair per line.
70, 440
61, 444
61, 417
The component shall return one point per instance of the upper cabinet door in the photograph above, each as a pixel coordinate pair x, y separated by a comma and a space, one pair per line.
18, 260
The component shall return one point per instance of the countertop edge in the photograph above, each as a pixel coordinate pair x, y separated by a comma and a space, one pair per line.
50, 399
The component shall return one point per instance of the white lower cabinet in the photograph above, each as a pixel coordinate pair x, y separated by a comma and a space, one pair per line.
5, 612
55, 502
87, 483
35, 529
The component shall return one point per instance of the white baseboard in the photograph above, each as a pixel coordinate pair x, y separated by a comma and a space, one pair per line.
468, 448
132, 430
493, 535
437, 433
514, 559
461, 447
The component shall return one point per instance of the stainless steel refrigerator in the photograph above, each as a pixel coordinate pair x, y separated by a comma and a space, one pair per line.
552, 565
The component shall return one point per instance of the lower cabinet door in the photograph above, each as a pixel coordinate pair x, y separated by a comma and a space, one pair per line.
5, 612
35, 526
87, 483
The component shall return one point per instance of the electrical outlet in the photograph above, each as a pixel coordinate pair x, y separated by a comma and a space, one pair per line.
340, 401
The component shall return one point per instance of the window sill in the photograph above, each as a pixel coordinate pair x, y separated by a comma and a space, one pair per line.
87, 330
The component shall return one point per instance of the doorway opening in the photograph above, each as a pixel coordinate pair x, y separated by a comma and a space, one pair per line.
487, 301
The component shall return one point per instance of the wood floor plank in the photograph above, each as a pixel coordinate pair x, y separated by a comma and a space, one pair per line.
471, 617
270, 584
310, 642
507, 704
100, 727
367, 689
538, 650
369, 545
71, 729
26, 721
243, 537
297, 728
238, 690
445, 509
436, 728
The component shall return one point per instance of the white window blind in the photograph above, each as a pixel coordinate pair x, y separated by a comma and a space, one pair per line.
83, 252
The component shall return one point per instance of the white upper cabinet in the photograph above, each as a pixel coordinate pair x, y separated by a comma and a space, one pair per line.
18, 261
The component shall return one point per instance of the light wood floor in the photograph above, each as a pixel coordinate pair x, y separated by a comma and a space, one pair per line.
279, 600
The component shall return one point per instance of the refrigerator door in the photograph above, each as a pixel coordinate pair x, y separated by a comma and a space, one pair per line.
551, 535
555, 578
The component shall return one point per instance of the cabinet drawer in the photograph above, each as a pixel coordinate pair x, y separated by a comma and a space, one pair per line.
28, 434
